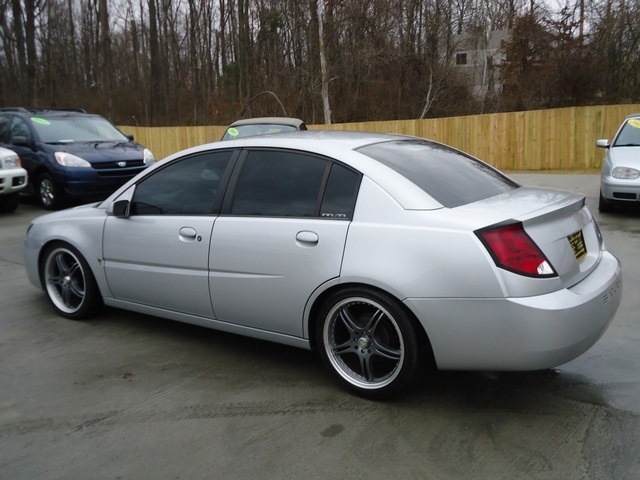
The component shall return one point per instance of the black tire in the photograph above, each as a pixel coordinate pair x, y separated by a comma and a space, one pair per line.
8, 203
368, 342
604, 206
69, 282
48, 192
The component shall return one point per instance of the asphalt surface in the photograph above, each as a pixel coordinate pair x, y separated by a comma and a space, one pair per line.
128, 396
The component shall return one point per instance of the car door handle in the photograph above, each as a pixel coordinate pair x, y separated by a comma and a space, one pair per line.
307, 238
188, 234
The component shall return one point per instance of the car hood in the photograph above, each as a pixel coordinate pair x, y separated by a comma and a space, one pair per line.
625, 156
95, 152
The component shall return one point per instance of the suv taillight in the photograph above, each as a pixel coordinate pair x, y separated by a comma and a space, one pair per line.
512, 249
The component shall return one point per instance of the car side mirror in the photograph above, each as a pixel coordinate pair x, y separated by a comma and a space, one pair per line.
602, 143
21, 141
129, 137
120, 209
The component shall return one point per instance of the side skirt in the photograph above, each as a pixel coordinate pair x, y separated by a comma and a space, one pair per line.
211, 323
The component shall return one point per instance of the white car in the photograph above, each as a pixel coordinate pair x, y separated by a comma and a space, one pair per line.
13, 178
379, 251
620, 174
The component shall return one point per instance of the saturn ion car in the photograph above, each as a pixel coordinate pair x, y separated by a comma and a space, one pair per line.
620, 174
384, 253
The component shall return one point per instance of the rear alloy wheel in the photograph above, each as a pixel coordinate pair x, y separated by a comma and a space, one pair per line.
69, 283
48, 196
368, 342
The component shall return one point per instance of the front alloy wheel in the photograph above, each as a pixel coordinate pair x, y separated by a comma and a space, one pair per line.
69, 282
368, 341
47, 192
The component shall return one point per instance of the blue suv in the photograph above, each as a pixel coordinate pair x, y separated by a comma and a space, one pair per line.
70, 155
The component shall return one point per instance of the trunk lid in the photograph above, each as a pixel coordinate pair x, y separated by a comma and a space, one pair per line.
559, 223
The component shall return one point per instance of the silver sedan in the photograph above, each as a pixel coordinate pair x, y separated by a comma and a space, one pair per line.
384, 253
620, 173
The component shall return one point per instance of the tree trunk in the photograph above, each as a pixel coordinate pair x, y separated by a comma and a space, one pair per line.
326, 108
156, 67
105, 48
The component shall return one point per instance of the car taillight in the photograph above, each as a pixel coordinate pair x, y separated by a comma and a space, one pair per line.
513, 250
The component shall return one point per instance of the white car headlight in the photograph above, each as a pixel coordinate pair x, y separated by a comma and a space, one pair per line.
69, 160
11, 161
625, 173
148, 156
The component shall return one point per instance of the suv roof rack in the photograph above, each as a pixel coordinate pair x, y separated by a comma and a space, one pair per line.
41, 109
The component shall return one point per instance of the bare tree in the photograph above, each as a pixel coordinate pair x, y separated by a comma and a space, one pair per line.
323, 64
105, 66
168, 62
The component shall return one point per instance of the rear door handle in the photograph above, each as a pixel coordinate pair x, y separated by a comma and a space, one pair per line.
307, 238
188, 234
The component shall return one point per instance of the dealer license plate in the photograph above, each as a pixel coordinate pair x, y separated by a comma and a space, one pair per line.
577, 245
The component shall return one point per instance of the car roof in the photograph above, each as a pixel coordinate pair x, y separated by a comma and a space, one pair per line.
294, 122
39, 110
339, 145
46, 111
633, 115
312, 139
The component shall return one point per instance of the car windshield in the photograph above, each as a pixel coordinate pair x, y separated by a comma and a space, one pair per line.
449, 176
256, 129
70, 129
629, 135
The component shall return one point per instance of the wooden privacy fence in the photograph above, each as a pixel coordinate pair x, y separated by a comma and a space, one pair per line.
557, 139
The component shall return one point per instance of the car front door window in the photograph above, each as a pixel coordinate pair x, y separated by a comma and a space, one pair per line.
19, 129
188, 187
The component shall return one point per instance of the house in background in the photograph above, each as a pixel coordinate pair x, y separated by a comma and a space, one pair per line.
476, 59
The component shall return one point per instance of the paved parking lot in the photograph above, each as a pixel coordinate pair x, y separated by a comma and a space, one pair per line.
128, 396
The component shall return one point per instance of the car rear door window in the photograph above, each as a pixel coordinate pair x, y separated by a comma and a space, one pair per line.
294, 184
340, 194
279, 183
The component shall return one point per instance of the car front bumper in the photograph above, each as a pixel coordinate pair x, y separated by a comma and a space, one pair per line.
521, 334
12, 180
90, 185
620, 190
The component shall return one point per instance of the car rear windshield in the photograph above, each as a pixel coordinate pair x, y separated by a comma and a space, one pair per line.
70, 129
448, 175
